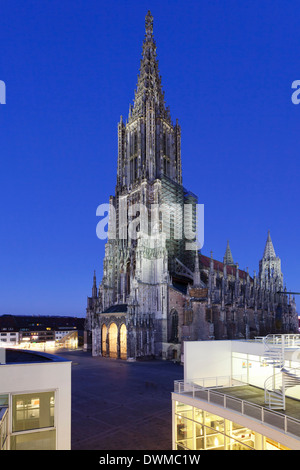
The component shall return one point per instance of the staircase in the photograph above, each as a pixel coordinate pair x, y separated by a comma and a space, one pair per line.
274, 396
276, 385
274, 351
291, 377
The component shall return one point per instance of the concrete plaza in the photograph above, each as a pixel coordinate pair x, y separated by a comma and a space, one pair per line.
120, 405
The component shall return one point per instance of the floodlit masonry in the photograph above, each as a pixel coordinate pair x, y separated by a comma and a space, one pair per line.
238, 395
35, 401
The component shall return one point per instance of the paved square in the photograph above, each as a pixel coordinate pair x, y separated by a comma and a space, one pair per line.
119, 405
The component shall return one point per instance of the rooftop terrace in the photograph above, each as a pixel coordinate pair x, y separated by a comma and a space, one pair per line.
245, 399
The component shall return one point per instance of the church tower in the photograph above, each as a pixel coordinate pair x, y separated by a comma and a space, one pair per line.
149, 186
148, 144
152, 220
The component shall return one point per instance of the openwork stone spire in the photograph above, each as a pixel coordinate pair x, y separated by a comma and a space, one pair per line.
269, 251
149, 85
149, 145
149, 23
270, 266
228, 259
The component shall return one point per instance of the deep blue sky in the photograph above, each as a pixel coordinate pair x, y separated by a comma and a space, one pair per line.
70, 69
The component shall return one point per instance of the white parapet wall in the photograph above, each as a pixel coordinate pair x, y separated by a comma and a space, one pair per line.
206, 359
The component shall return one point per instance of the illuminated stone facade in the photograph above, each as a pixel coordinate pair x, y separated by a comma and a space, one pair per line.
161, 289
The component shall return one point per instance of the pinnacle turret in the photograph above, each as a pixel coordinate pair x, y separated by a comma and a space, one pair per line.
269, 251
94, 288
228, 259
270, 265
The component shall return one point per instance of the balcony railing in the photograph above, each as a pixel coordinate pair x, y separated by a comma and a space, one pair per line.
213, 395
289, 340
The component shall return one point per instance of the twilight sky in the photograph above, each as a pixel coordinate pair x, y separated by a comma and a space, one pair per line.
70, 69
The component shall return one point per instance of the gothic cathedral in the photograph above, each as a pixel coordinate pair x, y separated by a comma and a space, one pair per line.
157, 289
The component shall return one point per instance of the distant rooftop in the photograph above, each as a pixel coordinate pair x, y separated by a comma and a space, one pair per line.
39, 322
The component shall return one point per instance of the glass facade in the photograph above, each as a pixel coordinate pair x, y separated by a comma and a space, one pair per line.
32, 418
196, 429
3, 400
32, 411
45, 440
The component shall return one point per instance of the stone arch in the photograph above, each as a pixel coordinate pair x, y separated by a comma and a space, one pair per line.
123, 341
104, 339
113, 340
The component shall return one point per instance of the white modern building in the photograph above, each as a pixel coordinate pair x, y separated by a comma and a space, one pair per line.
9, 338
35, 401
238, 395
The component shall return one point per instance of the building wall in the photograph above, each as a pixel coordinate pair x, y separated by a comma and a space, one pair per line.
207, 359
7, 338
27, 377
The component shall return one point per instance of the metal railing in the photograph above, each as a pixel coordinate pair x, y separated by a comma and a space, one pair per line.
284, 423
288, 340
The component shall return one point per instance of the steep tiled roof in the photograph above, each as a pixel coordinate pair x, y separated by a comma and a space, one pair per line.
231, 270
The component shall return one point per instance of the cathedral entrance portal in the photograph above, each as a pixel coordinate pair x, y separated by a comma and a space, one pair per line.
123, 342
113, 341
104, 339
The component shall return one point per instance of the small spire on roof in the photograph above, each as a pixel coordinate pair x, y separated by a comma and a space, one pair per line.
94, 288
269, 251
228, 259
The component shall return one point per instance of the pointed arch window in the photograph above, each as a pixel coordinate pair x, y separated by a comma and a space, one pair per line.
165, 144
174, 327
135, 143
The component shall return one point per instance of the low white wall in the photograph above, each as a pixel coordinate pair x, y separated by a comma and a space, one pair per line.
206, 359
248, 347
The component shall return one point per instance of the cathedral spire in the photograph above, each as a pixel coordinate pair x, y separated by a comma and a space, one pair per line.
149, 85
270, 266
149, 23
228, 259
269, 251
149, 145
